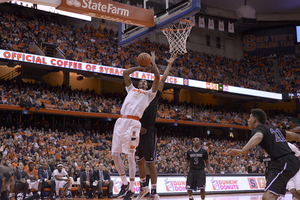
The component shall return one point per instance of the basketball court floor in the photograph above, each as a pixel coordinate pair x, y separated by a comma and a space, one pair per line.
240, 196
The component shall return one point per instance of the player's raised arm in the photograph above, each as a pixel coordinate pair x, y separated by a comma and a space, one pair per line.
255, 140
127, 72
291, 136
170, 62
156, 72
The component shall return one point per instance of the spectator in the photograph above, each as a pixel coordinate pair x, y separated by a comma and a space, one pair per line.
103, 178
20, 180
47, 180
87, 181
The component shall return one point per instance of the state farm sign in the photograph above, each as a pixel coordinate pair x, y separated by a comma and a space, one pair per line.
110, 10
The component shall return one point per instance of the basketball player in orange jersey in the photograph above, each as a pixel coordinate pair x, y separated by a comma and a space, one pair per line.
146, 150
33, 181
127, 128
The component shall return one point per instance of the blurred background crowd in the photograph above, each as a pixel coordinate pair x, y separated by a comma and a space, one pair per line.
99, 45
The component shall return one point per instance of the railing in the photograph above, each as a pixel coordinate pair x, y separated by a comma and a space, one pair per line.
14, 73
59, 51
49, 80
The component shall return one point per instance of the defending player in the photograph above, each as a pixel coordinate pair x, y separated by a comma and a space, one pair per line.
147, 146
273, 140
197, 160
127, 127
294, 183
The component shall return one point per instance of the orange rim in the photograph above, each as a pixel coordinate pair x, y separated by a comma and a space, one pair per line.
182, 29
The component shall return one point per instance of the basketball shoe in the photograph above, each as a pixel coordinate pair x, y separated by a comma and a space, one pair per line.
124, 189
143, 192
128, 195
154, 197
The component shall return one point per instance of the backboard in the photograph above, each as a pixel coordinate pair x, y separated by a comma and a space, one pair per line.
166, 13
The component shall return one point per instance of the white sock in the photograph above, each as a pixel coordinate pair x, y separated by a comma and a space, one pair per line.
131, 186
39, 193
124, 180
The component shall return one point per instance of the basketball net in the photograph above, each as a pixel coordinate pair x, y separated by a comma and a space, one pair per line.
177, 35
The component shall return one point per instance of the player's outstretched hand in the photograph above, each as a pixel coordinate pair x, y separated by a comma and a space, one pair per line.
153, 57
171, 59
211, 171
184, 173
143, 131
234, 152
296, 128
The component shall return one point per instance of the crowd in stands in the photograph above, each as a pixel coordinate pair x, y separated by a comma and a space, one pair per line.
53, 150
100, 46
14, 34
39, 146
289, 69
38, 96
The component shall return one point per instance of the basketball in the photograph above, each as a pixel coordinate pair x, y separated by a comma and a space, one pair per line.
144, 59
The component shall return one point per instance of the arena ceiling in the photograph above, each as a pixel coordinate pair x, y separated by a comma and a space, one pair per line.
261, 6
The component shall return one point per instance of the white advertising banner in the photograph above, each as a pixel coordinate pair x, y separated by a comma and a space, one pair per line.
80, 66
101, 69
214, 184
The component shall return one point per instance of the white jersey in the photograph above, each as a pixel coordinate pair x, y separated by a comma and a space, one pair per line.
294, 183
61, 174
294, 149
136, 101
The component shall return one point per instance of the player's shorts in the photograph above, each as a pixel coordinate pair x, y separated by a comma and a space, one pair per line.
196, 180
267, 173
126, 136
280, 172
33, 184
147, 146
60, 184
294, 183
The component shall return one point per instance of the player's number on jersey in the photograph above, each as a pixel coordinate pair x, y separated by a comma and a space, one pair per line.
278, 135
196, 160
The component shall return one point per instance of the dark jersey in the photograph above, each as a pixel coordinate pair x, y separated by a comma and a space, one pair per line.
149, 116
273, 141
197, 158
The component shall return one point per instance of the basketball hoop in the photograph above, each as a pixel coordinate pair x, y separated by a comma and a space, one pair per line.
177, 35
